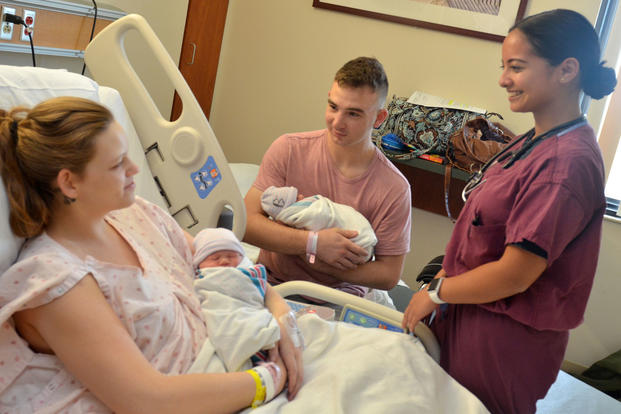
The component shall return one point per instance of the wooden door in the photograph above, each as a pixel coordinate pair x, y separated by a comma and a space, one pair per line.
200, 52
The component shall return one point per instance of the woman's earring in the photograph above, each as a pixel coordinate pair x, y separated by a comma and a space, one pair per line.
68, 200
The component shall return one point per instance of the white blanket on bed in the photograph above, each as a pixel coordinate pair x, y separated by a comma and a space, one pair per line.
347, 369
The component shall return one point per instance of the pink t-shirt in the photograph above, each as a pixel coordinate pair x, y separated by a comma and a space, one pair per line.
158, 308
381, 194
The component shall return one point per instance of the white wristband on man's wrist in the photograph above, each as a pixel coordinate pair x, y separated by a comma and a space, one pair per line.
311, 246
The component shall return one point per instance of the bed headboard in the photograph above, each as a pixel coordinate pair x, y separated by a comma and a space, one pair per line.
189, 163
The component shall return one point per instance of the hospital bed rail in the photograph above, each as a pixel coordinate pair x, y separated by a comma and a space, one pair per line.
314, 290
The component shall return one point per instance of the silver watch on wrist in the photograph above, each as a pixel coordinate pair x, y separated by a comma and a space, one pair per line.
433, 290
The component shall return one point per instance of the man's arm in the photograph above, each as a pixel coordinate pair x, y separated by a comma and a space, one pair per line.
382, 273
268, 234
334, 246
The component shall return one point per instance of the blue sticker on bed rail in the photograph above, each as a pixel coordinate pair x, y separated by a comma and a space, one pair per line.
206, 178
367, 319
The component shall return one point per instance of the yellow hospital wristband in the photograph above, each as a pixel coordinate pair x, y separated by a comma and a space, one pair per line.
259, 395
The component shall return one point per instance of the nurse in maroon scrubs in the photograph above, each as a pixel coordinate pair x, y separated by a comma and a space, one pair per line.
520, 263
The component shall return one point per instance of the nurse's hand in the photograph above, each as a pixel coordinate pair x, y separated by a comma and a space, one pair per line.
419, 307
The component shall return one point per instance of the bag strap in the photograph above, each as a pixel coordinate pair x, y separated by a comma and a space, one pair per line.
448, 170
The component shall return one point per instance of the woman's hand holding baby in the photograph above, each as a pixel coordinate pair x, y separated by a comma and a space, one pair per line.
289, 352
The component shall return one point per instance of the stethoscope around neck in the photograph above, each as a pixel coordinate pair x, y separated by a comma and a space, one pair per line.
477, 178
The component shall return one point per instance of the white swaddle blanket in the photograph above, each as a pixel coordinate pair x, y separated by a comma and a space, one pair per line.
238, 324
317, 213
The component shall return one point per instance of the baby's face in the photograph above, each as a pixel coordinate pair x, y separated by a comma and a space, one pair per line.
222, 258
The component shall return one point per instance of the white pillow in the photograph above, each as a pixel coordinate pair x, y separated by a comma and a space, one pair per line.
9, 243
27, 86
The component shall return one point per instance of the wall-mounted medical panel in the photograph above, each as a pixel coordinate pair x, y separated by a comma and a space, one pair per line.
59, 28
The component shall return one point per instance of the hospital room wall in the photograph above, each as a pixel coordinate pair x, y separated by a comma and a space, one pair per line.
167, 22
277, 61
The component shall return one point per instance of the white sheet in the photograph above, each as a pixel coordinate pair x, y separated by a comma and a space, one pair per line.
349, 369
569, 395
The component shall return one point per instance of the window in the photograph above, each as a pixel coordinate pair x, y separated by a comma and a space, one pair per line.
608, 26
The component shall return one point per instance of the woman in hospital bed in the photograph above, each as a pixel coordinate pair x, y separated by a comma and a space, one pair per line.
99, 314
100, 298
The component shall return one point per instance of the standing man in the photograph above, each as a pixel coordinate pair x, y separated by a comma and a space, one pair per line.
341, 163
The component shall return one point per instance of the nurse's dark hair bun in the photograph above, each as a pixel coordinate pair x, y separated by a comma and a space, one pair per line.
599, 82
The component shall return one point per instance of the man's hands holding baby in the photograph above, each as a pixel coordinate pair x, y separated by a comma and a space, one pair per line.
335, 249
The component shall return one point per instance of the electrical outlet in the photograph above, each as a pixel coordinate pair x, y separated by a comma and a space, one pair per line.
29, 18
6, 29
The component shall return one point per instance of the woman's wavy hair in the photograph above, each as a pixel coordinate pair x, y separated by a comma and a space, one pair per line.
35, 145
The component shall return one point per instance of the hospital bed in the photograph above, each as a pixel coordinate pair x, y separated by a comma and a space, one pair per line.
192, 177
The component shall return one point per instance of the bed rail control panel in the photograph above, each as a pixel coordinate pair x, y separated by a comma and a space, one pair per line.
206, 178
357, 316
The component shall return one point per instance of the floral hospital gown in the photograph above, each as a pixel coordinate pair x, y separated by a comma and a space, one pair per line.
156, 304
